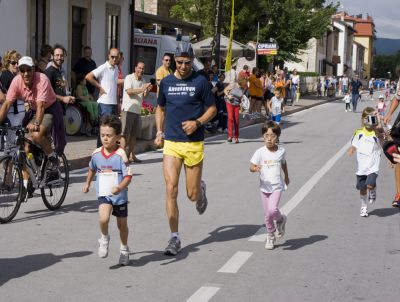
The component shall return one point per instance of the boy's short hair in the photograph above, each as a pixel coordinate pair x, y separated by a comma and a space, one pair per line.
276, 129
112, 121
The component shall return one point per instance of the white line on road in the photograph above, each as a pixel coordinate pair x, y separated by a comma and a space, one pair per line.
203, 294
260, 235
234, 264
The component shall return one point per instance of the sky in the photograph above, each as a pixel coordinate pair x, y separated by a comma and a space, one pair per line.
386, 14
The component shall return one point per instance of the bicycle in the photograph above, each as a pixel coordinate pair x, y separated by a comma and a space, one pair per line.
53, 181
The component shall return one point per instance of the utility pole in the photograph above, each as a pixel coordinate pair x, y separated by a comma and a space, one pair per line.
216, 43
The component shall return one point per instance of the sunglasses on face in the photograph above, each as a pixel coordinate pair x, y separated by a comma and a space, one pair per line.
13, 63
183, 62
24, 70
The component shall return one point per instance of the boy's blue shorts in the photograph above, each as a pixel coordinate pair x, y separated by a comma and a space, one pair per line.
366, 180
119, 210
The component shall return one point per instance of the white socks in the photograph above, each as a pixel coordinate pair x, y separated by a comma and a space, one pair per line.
26, 183
363, 201
176, 235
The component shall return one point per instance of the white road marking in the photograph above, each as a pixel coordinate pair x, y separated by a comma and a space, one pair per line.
260, 235
203, 294
234, 264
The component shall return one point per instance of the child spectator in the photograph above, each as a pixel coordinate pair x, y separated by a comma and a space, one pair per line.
381, 106
275, 105
269, 161
110, 163
347, 100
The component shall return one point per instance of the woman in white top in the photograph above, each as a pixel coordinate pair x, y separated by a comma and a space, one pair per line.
294, 84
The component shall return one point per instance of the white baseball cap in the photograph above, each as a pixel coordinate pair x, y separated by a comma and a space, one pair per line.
381, 96
25, 60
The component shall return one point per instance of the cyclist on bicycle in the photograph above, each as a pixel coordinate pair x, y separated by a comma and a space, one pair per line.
45, 112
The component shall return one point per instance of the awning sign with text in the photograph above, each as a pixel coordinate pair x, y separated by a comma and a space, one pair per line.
267, 49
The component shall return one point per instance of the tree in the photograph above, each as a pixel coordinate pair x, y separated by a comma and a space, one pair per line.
384, 64
291, 23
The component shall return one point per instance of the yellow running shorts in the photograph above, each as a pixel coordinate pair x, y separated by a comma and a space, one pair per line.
192, 153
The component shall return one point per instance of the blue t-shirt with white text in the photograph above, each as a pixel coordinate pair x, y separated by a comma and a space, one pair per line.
184, 100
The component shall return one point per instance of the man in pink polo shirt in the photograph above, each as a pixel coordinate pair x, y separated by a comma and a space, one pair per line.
45, 112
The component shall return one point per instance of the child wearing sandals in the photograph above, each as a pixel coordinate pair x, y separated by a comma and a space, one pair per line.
365, 143
270, 161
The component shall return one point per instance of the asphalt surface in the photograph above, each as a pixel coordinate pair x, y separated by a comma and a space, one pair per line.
329, 252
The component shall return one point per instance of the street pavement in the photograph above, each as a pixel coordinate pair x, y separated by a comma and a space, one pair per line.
329, 252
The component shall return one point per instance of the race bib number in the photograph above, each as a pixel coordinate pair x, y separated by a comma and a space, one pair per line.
107, 181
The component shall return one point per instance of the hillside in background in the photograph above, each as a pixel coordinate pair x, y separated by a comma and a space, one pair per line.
386, 46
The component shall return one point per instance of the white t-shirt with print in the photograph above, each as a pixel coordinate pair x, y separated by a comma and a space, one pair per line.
271, 178
368, 151
276, 105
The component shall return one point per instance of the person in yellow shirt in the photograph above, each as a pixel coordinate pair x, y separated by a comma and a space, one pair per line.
256, 93
164, 70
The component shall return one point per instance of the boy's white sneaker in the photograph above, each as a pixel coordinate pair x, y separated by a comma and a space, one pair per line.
280, 227
269, 244
364, 212
124, 256
103, 246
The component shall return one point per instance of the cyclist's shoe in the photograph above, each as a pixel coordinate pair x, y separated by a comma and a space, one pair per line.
53, 163
396, 201
173, 247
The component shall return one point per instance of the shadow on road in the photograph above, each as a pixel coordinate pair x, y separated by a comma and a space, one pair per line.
384, 212
221, 234
298, 243
12, 268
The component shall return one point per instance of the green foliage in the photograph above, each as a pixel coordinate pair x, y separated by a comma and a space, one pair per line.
308, 74
291, 23
383, 64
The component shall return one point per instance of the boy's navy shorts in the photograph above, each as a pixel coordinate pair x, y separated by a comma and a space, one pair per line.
119, 210
366, 180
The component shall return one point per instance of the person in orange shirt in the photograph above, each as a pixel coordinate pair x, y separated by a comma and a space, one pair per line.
256, 93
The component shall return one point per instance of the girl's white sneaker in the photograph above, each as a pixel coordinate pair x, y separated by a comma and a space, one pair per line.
269, 244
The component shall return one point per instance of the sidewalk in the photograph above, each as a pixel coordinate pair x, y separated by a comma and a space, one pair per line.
80, 148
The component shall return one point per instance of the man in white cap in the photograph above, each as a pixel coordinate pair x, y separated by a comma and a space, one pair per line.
45, 112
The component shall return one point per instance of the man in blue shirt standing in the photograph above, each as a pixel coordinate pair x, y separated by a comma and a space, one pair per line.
185, 104
355, 86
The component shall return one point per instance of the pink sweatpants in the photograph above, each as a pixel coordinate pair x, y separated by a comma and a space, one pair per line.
270, 203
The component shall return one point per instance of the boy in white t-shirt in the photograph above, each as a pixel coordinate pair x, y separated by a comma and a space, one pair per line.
275, 105
269, 161
365, 143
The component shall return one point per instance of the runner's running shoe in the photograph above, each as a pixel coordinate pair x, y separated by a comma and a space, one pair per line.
103, 247
124, 256
280, 227
269, 244
364, 212
396, 201
173, 247
372, 196
201, 205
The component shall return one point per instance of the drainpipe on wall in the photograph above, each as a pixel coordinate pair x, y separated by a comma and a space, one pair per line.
132, 39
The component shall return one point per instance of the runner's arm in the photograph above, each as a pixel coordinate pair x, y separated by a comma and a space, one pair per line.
160, 117
392, 109
89, 179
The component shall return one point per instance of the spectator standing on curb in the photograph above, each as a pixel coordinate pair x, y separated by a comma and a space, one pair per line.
105, 79
120, 82
164, 70
135, 89
256, 93
110, 163
85, 65
355, 86
57, 77
230, 75
270, 161
245, 73
185, 104
326, 86
371, 88
393, 106
345, 84
221, 105
233, 96
294, 85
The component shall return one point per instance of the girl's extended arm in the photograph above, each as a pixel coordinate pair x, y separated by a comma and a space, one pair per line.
89, 179
285, 171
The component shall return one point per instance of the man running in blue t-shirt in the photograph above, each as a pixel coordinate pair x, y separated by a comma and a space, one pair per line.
185, 104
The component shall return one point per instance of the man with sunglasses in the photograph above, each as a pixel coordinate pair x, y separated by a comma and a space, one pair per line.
185, 104
45, 112
105, 79
164, 70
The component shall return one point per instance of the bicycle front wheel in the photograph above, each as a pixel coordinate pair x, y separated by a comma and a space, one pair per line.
11, 186
55, 184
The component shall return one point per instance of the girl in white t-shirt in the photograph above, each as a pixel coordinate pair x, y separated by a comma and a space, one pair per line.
366, 144
270, 161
